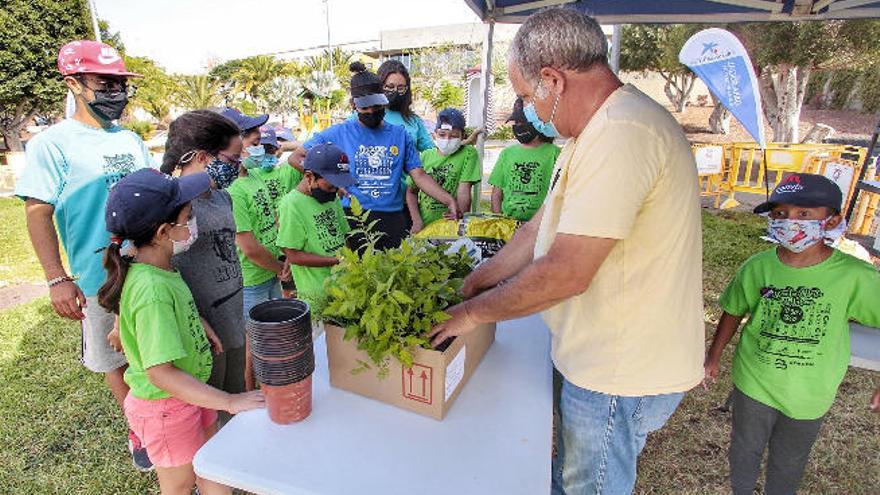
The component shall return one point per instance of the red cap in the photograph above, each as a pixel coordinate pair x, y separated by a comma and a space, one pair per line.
91, 57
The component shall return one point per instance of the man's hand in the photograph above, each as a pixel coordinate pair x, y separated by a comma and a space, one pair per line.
68, 300
284, 276
113, 337
875, 401
460, 324
216, 344
711, 372
453, 213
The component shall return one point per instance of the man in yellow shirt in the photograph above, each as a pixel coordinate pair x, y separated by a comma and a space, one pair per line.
612, 259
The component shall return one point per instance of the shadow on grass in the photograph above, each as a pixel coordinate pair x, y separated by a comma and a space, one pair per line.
61, 431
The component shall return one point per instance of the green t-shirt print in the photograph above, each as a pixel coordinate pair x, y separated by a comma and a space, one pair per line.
523, 175
311, 227
254, 211
795, 348
448, 171
279, 181
159, 323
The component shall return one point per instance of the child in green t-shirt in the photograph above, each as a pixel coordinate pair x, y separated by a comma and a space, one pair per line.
169, 406
451, 163
795, 347
312, 222
521, 177
279, 179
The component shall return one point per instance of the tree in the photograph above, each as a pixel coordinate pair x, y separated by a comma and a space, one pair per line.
719, 120
654, 48
281, 96
436, 68
341, 60
112, 38
197, 92
155, 91
253, 73
449, 95
786, 54
31, 33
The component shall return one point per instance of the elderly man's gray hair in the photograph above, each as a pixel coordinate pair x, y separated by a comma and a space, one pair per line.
561, 38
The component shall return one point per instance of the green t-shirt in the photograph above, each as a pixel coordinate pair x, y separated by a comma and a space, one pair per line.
449, 172
523, 175
159, 323
279, 181
254, 211
794, 350
312, 227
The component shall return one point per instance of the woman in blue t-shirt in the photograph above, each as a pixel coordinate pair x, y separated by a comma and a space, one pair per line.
397, 86
377, 154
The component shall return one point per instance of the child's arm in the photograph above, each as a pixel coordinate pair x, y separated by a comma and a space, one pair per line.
302, 258
727, 326
464, 196
257, 253
497, 198
412, 204
181, 385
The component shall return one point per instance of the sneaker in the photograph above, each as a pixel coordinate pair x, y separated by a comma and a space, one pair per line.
139, 457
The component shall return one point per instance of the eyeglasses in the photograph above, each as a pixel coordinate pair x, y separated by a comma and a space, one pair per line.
106, 86
400, 89
233, 160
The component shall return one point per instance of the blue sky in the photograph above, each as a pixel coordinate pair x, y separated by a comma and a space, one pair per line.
183, 35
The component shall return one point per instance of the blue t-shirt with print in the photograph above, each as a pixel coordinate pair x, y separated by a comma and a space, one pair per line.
72, 167
378, 159
414, 126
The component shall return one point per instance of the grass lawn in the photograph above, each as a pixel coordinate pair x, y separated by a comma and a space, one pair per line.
60, 431
17, 261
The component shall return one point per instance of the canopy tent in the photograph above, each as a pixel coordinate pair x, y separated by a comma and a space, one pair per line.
683, 11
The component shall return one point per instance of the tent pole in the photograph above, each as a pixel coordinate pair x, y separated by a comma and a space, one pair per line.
485, 88
615, 49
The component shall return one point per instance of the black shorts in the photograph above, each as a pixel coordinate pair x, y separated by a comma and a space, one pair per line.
391, 224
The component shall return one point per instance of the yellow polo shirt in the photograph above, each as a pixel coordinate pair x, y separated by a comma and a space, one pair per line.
638, 328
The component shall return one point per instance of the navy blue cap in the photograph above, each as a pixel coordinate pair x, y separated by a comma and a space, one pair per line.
284, 133
267, 136
451, 117
806, 190
146, 198
244, 122
331, 163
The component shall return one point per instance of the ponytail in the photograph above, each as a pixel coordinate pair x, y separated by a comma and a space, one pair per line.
117, 267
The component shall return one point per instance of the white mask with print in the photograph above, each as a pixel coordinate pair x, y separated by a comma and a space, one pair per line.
447, 147
178, 247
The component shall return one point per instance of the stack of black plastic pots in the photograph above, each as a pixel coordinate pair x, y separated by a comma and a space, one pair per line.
279, 335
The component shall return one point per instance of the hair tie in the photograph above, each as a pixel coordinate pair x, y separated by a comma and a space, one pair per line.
116, 240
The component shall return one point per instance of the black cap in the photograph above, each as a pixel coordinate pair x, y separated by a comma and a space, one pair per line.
328, 161
145, 198
518, 115
366, 87
806, 190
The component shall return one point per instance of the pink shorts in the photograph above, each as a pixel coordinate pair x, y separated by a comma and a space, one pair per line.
171, 430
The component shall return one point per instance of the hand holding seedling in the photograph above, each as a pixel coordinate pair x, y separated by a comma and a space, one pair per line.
460, 323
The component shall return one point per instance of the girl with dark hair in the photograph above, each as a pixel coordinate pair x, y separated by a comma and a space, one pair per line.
204, 141
397, 86
169, 406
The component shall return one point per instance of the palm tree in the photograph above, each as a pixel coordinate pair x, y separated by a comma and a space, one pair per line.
199, 92
254, 73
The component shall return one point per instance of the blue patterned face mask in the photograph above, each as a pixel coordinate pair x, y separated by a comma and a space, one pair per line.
797, 235
545, 128
222, 173
268, 162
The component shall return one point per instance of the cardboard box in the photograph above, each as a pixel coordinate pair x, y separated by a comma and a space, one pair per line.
429, 387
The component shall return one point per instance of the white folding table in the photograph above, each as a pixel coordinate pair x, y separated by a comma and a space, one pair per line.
496, 438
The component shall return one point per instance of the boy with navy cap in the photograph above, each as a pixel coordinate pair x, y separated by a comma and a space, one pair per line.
451, 163
280, 179
312, 222
794, 350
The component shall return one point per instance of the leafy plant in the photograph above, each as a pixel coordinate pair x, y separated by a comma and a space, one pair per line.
504, 133
141, 127
388, 300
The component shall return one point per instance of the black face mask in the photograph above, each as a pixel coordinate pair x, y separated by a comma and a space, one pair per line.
372, 120
525, 133
322, 196
109, 105
397, 101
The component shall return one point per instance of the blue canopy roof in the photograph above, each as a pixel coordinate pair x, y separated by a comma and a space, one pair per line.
683, 11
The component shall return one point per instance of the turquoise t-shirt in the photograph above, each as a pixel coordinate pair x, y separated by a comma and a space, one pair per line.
72, 166
415, 127
795, 348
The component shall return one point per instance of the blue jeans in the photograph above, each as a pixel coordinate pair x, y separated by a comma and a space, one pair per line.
255, 294
600, 436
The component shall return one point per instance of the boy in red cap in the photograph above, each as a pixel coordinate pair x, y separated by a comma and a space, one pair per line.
70, 168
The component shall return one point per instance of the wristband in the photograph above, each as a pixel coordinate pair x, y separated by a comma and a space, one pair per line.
60, 280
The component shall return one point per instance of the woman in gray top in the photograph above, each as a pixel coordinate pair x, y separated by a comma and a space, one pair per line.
204, 141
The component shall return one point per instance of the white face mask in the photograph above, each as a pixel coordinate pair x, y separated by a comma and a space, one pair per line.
178, 247
447, 147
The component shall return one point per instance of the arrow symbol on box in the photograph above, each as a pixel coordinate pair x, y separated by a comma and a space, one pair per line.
424, 378
410, 373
